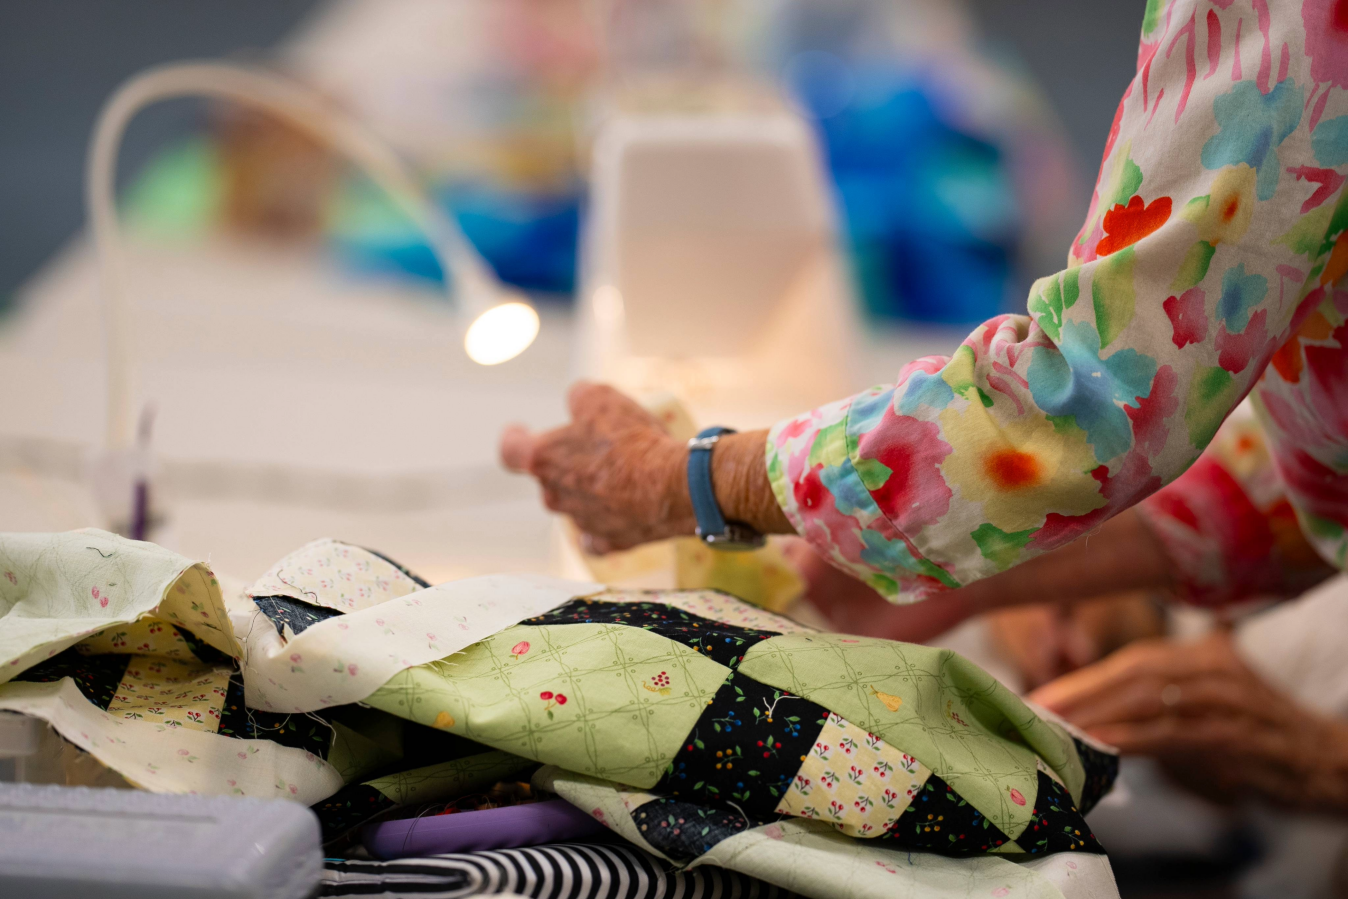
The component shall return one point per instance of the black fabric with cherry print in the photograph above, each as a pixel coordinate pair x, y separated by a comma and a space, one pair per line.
724, 643
1056, 825
683, 831
203, 651
746, 748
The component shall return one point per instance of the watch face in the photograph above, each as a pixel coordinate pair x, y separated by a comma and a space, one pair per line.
735, 538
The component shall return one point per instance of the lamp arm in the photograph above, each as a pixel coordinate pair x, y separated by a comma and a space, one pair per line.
303, 107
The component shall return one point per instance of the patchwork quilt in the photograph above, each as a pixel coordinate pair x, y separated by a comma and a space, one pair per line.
686, 721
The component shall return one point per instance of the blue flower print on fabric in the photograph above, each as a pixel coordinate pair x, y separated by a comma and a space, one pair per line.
1078, 383
925, 389
1252, 126
1329, 142
1240, 294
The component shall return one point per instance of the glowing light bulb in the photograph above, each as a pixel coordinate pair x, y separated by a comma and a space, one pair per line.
501, 333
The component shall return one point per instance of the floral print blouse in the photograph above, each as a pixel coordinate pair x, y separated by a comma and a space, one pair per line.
1209, 267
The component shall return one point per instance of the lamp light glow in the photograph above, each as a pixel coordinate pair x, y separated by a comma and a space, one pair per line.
501, 333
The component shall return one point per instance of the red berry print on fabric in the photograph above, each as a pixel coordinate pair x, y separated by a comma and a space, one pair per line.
658, 684
553, 700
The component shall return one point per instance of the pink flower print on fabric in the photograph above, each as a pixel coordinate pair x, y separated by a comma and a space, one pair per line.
1188, 320
101, 599
1326, 24
913, 494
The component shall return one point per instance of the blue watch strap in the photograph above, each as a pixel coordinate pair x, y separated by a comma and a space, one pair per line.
708, 511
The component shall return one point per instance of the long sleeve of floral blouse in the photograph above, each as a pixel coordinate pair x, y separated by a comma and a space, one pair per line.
1228, 524
1216, 230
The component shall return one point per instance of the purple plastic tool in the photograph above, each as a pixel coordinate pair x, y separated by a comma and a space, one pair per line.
533, 824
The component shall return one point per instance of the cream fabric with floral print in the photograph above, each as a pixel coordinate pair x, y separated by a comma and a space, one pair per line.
390, 624
853, 780
335, 575
58, 589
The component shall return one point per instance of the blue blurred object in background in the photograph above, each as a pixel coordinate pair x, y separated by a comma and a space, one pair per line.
528, 238
929, 213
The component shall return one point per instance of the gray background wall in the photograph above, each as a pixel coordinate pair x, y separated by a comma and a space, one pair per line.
59, 59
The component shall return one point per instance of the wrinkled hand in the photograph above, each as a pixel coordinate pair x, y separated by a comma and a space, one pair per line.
1212, 721
614, 470
1048, 640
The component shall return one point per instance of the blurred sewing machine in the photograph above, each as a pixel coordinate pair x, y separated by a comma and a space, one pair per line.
711, 265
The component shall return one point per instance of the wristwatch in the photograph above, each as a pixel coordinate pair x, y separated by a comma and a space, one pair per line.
712, 526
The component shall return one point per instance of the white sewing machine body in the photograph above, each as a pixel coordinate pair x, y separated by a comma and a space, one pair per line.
710, 262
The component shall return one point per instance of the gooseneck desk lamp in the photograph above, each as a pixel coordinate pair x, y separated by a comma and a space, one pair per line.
500, 324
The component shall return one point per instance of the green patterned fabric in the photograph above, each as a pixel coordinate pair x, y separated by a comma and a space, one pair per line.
955, 717
598, 718
630, 689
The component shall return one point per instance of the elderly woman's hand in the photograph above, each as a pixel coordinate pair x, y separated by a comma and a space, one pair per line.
614, 470
1213, 722
623, 480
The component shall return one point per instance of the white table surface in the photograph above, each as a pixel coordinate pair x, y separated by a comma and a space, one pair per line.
295, 400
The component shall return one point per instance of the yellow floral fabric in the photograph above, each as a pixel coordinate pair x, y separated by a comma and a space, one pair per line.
175, 693
854, 780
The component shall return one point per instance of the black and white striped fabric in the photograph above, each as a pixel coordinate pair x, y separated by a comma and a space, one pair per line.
559, 871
